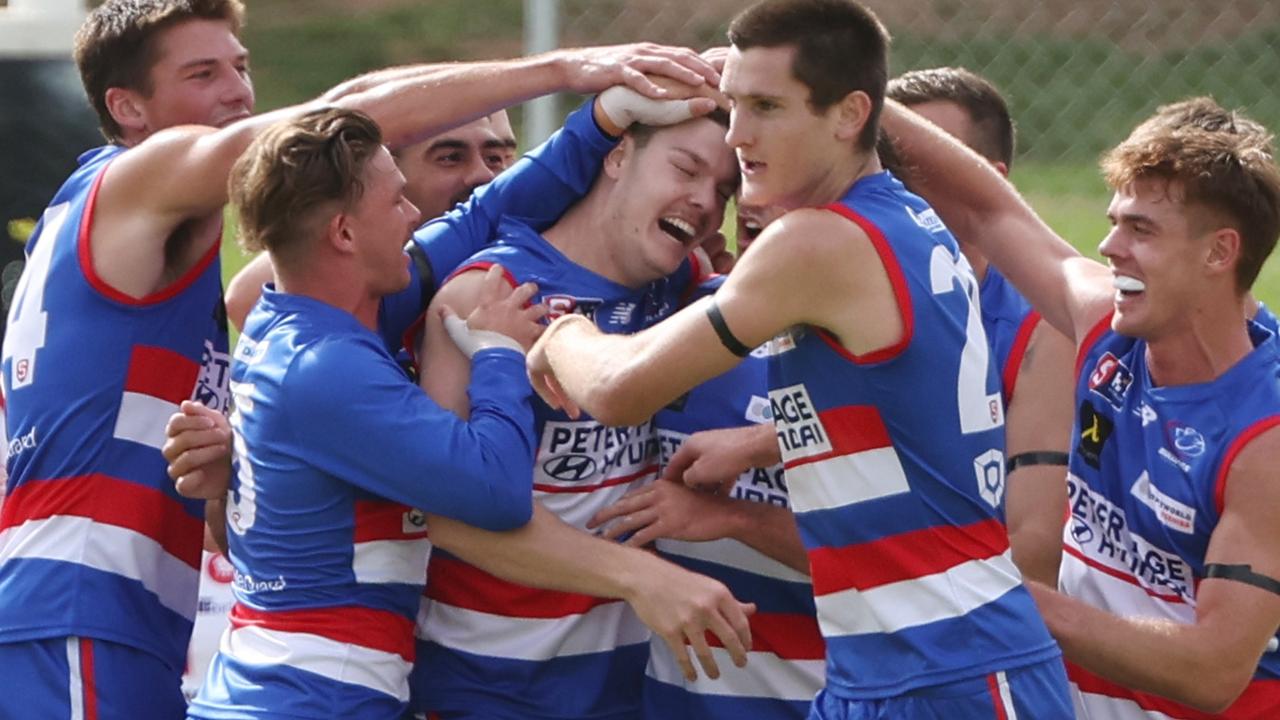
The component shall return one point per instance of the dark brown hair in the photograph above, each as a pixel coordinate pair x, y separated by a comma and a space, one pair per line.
295, 169
984, 104
841, 47
117, 45
1222, 162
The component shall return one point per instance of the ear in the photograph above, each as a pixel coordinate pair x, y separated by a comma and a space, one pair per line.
617, 157
852, 113
127, 109
1224, 251
340, 234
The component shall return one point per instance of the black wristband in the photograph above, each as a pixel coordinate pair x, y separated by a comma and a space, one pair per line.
1035, 457
731, 343
1242, 573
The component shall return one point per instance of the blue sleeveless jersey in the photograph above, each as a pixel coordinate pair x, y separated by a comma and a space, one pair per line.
325, 525
1008, 320
785, 663
503, 650
1146, 487
1267, 319
94, 541
895, 464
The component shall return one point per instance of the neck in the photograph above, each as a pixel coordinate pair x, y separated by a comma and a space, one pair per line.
331, 284
832, 185
1209, 346
587, 236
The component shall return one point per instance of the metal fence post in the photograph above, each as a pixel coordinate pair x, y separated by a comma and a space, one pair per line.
541, 33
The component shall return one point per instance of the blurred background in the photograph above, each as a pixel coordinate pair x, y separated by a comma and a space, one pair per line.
1078, 73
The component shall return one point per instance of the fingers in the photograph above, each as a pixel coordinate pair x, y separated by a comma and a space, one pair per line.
629, 523
523, 294
679, 463
200, 485
680, 651
730, 624
716, 56
698, 641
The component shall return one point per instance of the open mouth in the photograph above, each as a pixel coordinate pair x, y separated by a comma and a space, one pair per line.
1127, 286
751, 229
682, 230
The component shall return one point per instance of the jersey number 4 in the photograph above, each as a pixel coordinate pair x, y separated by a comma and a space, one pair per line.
27, 318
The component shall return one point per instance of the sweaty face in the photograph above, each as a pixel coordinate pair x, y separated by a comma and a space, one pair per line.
201, 77
784, 148
442, 171
669, 195
381, 222
1156, 260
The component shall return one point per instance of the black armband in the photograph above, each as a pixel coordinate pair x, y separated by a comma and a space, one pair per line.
727, 338
1035, 457
423, 264
1242, 573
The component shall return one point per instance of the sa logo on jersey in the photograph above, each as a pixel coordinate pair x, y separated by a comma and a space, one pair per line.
559, 305
1111, 379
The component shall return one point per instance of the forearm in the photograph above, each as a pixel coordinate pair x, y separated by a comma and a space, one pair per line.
215, 518
1035, 502
770, 530
1120, 649
547, 553
424, 101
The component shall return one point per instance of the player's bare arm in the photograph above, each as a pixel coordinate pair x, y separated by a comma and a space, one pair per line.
1206, 664
809, 267
666, 509
1038, 424
982, 208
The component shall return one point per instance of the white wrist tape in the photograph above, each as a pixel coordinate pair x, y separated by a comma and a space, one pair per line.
625, 106
471, 341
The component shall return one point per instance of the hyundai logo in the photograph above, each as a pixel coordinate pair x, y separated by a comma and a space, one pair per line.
570, 468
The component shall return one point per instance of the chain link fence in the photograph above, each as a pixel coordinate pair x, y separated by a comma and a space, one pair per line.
1078, 73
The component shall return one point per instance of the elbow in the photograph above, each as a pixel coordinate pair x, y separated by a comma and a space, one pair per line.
510, 515
1216, 689
240, 299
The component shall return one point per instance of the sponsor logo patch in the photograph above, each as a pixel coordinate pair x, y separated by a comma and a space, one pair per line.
1187, 442
1111, 380
1094, 431
800, 430
1171, 513
927, 219
559, 305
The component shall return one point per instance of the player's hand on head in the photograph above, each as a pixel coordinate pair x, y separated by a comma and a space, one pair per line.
623, 107
716, 56
503, 317
595, 69
681, 607
198, 449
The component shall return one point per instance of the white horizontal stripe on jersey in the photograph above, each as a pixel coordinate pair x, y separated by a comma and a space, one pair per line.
142, 419
603, 628
846, 479
1117, 595
577, 508
380, 671
889, 608
765, 676
391, 561
109, 548
734, 554
1104, 707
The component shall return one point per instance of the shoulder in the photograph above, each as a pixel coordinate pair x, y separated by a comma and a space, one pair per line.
811, 235
332, 363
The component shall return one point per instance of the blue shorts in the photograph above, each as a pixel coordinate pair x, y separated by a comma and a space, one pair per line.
77, 678
1033, 692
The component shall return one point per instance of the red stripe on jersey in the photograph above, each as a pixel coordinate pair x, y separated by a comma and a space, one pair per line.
84, 253
382, 520
1259, 701
1244, 438
367, 627
904, 556
88, 686
111, 501
996, 701
1009, 374
650, 470
161, 373
1091, 339
900, 292
790, 636
1121, 575
850, 429
456, 583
